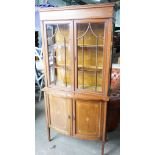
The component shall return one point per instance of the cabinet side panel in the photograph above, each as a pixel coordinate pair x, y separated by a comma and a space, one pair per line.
107, 56
44, 54
104, 121
46, 103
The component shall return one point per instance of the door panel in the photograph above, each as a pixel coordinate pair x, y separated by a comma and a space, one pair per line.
87, 119
59, 36
61, 114
89, 51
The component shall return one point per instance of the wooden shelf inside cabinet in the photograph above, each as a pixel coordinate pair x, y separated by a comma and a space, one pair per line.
61, 66
90, 46
91, 88
90, 68
58, 46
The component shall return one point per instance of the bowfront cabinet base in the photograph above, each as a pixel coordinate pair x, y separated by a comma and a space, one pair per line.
83, 119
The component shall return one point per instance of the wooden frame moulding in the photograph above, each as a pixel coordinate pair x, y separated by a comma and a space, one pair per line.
46, 57
78, 12
104, 53
107, 56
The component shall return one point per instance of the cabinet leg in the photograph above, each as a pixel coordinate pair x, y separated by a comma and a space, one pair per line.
49, 134
103, 143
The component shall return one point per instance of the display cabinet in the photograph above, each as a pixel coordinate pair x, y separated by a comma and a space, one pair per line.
77, 44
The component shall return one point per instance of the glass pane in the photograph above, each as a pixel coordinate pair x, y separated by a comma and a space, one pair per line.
59, 54
90, 40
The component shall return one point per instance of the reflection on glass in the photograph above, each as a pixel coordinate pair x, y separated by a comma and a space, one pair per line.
59, 54
90, 40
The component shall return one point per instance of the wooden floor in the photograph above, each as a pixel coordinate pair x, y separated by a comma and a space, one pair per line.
63, 145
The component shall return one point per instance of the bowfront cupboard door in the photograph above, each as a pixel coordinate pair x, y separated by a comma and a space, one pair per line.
59, 51
89, 52
61, 114
88, 119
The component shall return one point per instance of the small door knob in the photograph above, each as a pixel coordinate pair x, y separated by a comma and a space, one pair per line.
69, 117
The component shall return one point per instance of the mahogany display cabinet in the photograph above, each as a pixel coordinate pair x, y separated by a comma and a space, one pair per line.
77, 43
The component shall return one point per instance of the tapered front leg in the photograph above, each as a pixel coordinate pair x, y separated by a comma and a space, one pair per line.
49, 134
103, 143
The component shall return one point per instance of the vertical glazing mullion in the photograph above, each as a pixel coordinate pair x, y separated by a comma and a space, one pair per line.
54, 64
96, 60
103, 41
83, 61
54, 56
65, 61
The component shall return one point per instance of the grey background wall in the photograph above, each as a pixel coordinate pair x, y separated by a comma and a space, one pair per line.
63, 3
55, 2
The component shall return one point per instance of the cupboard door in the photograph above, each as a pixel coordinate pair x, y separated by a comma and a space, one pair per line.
87, 119
61, 114
59, 45
89, 50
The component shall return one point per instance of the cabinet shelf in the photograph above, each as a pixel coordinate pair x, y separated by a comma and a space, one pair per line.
79, 46
98, 88
61, 66
90, 46
58, 46
80, 68
89, 68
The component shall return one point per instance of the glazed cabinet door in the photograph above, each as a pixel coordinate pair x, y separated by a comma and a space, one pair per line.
59, 54
89, 52
88, 119
60, 114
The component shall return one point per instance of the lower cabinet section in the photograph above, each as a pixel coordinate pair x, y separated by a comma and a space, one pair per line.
84, 119
88, 119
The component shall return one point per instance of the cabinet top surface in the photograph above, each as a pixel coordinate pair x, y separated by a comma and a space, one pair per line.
76, 7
